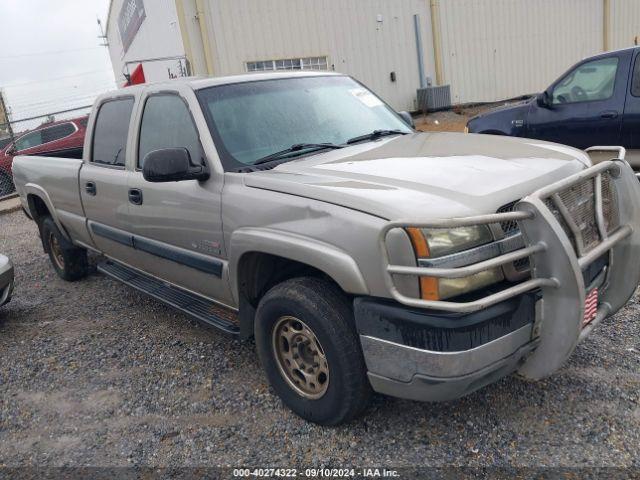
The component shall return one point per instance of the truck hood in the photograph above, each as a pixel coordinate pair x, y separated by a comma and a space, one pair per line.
507, 107
425, 175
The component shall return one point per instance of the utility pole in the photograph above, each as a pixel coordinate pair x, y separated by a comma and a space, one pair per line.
102, 36
4, 115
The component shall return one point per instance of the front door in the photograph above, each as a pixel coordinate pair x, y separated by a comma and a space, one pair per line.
177, 226
586, 107
631, 121
104, 178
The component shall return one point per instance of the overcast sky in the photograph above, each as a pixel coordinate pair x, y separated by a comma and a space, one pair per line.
50, 58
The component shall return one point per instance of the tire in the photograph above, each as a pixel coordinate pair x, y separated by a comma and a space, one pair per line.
70, 262
6, 184
322, 309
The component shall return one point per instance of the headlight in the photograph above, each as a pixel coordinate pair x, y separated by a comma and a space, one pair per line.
456, 247
445, 242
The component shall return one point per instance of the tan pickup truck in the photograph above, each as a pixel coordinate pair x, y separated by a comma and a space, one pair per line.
300, 210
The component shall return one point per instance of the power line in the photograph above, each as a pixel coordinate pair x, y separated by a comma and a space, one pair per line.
52, 52
47, 104
66, 96
55, 78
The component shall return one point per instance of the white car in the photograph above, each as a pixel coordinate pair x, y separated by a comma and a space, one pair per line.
6, 279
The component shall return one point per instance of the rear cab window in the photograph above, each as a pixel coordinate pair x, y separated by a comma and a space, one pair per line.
109, 143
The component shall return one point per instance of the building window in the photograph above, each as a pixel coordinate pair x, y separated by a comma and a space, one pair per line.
309, 63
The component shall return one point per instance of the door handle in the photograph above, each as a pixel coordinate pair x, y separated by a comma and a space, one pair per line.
135, 196
90, 188
609, 114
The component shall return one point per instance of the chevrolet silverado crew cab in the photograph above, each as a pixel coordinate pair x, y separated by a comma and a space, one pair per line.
300, 210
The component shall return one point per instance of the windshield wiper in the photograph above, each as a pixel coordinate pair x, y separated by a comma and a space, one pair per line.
298, 148
375, 135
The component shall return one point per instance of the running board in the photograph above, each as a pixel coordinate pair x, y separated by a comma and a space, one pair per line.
198, 307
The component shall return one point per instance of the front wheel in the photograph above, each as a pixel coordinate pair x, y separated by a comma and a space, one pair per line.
309, 349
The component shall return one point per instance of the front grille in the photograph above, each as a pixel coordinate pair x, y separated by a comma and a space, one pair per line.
511, 228
579, 202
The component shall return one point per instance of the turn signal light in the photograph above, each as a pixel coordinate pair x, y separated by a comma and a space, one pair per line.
428, 285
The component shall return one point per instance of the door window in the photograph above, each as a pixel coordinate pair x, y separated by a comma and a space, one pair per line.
30, 140
588, 82
167, 123
111, 131
635, 82
57, 132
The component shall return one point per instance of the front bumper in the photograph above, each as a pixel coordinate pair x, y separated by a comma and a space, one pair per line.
434, 356
562, 250
6, 279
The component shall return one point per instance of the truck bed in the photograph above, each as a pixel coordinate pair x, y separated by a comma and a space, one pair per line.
56, 178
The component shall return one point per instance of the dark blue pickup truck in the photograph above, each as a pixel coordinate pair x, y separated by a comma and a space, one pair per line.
596, 102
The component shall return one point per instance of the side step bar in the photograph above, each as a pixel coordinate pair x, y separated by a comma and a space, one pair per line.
198, 307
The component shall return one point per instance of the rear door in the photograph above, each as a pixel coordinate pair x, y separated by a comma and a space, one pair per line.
586, 104
103, 179
177, 226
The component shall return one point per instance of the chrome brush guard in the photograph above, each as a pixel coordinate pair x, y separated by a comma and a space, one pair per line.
561, 240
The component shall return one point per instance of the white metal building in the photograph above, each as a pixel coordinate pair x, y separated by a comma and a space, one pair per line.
485, 50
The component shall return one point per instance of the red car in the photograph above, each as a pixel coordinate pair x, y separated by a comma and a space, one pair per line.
64, 136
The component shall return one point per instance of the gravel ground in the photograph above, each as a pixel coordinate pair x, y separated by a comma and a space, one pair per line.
94, 373
454, 120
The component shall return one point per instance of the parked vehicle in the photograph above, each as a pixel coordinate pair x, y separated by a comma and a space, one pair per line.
359, 253
597, 102
6, 280
64, 138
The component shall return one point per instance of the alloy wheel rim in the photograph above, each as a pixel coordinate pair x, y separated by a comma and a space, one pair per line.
56, 250
300, 357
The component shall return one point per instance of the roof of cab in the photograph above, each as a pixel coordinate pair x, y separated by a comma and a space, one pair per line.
197, 83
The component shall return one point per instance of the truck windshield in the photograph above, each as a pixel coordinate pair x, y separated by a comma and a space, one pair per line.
254, 120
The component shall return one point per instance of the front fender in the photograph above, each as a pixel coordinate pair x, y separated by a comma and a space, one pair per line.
325, 257
510, 121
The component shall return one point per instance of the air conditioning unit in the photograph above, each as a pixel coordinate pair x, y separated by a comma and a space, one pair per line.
434, 98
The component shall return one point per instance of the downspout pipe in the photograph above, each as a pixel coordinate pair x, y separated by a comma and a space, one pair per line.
437, 39
420, 50
200, 12
606, 26
184, 33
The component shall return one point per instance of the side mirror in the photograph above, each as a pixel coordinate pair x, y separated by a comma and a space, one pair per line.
544, 99
408, 119
171, 165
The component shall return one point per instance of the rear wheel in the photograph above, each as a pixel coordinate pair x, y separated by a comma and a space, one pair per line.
69, 262
309, 349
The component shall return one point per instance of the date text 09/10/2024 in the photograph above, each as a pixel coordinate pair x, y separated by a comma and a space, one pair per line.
316, 473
